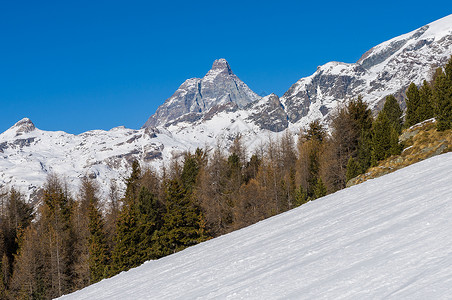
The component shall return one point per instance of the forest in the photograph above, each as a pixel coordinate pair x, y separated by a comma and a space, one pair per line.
71, 241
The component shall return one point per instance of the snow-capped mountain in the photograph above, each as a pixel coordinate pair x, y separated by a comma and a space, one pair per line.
385, 69
212, 110
388, 238
28, 154
196, 96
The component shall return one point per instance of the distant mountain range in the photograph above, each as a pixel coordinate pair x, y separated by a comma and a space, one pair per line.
212, 110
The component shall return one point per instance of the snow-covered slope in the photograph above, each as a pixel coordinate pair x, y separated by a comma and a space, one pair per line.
388, 238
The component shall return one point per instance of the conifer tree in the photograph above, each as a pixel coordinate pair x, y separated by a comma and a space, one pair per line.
425, 110
56, 218
124, 254
97, 244
352, 169
412, 104
183, 221
393, 112
442, 94
301, 196
213, 192
319, 189
310, 149
150, 221
384, 139
361, 117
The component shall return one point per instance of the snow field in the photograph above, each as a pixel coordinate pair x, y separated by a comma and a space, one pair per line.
388, 238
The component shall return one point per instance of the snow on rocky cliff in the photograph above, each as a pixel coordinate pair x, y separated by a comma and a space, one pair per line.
387, 238
385, 69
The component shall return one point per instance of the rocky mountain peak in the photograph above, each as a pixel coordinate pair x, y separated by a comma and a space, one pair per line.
197, 96
221, 66
23, 126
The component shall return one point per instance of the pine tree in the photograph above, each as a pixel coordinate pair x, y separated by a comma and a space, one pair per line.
384, 139
352, 169
319, 189
183, 221
150, 221
442, 95
125, 254
393, 112
412, 104
425, 110
361, 117
56, 219
443, 103
301, 196
310, 149
214, 194
97, 244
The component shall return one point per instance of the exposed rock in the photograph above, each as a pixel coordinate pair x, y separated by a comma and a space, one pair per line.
24, 142
268, 113
24, 126
197, 96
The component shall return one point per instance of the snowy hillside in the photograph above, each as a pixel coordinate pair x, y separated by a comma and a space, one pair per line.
388, 238
28, 154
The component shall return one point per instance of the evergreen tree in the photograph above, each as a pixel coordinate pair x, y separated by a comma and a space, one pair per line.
393, 112
58, 233
319, 189
353, 169
124, 254
442, 94
97, 244
183, 221
150, 220
213, 193
384, 139
425, 110
412, 104
361, 117
301, 196
315, 131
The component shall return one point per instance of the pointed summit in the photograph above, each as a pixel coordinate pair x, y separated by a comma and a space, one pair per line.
221, 66
196, 96
25, 125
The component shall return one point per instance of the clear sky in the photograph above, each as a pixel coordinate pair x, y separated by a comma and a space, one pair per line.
83, 65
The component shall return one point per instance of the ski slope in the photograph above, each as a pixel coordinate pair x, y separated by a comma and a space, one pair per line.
388, 238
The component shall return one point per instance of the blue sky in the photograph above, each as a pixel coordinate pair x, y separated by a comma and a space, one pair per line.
83, 65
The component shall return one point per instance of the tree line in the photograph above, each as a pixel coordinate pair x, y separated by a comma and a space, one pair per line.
71, 241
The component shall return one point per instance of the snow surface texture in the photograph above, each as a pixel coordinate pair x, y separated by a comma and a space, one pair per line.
212, 110
387, 238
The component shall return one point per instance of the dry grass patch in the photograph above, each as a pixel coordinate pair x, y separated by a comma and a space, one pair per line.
420, 142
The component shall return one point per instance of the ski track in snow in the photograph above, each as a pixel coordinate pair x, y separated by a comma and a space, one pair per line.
387, 238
